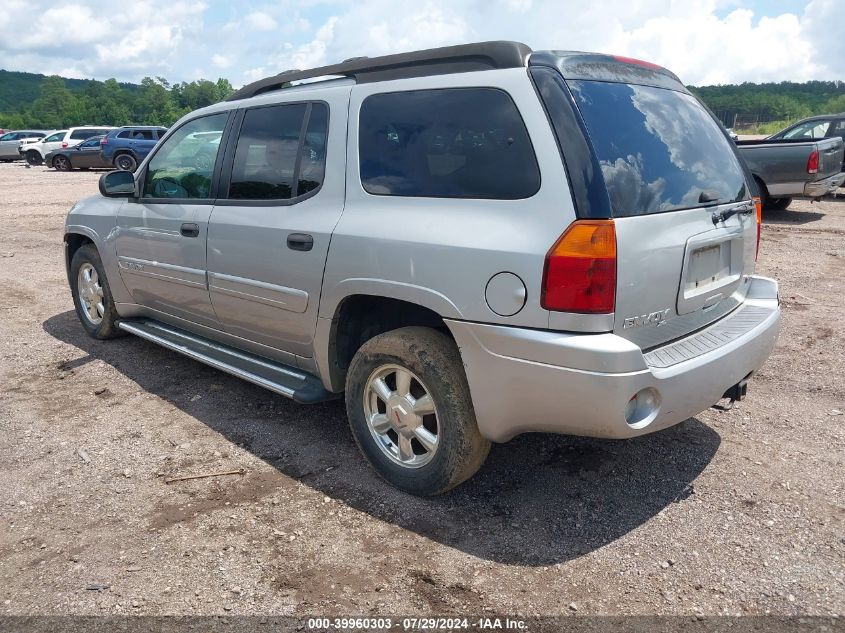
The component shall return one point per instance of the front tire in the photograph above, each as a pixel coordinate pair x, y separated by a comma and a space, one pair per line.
411, 412
33, 158
126, 162
92, 296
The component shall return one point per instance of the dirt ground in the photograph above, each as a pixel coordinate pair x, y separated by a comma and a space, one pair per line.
736, 512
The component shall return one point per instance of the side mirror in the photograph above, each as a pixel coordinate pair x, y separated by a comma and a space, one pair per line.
117, 184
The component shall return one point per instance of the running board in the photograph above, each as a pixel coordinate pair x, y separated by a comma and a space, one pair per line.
282, 379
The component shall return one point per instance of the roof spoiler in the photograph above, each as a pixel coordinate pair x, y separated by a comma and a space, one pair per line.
599, 67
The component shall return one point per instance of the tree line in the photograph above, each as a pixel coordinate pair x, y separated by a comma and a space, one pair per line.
62, 103
772, 105
153, 102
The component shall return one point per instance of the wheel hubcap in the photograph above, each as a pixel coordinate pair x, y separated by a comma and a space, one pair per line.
90, 294
401, 416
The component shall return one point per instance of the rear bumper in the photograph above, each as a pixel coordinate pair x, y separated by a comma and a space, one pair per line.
580, 384
823, 187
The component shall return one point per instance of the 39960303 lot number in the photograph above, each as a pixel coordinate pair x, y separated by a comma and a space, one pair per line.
415, 624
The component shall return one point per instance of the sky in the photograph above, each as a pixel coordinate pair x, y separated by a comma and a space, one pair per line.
703, 41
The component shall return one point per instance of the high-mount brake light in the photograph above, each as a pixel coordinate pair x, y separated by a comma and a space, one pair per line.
813, 162
637, 62
580, 271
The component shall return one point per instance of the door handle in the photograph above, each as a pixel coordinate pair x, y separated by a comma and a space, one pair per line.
300, 242
189, 229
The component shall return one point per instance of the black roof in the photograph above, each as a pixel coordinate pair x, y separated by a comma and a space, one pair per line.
434, 61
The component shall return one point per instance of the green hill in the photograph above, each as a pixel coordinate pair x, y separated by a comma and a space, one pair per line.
768, 107
31, 100
19, 90
38, 101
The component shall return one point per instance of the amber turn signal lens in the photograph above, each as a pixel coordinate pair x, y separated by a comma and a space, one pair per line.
580, 271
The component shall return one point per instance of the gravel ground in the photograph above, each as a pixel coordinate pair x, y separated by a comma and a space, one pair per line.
735, 512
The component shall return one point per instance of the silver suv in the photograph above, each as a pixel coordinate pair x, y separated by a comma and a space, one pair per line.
470, 242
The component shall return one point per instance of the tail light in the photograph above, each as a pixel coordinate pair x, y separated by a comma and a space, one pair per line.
104, 140
813, 162
580, 270
758, 209
64, 145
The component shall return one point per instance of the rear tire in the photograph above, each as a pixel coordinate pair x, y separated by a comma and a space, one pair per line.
92, 296
777, 204
762, 191
33, 158
430, 413
125, 162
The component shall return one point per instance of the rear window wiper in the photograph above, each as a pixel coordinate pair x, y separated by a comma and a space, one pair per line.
745, 208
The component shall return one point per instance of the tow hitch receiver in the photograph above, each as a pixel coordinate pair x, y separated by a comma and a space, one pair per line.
735, 393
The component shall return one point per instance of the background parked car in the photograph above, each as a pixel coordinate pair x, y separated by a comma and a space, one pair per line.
814, 127
9, 142
35, 150
83, 156
127, 146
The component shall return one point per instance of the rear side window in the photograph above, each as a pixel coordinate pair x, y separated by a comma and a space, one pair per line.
659, 149
447, 143
281, 152
808, 130
83, 134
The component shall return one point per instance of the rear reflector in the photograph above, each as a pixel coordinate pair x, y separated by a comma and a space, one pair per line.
580, 271
813, 162
758, 209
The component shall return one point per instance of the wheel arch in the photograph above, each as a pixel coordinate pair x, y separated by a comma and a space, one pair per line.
124, 151
359, 317
74, 240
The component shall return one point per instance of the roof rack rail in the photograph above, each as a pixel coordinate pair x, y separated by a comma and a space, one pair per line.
434, 61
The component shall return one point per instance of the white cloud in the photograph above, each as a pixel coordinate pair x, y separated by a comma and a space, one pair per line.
703, 41
261, 21
221, 61
146, 37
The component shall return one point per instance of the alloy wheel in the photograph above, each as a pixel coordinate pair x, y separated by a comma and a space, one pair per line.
90, 293
401, 416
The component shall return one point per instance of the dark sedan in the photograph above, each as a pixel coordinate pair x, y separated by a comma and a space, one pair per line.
83, 156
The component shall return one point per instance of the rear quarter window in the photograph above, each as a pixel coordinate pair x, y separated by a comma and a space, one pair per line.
83, 134
446, 143
659, 149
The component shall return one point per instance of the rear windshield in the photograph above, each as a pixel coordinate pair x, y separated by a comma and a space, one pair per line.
659, 150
